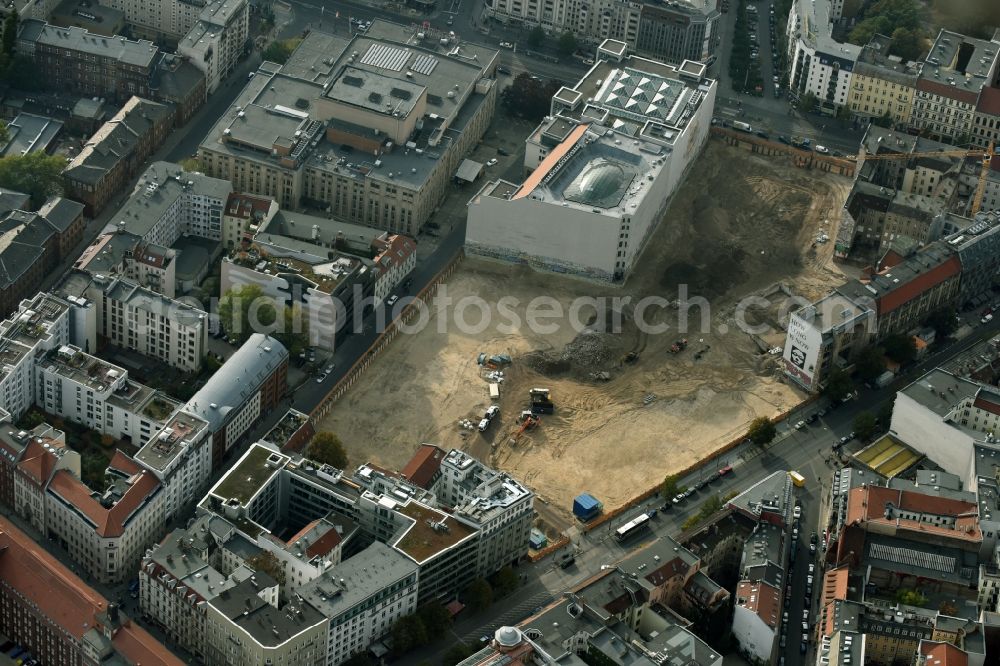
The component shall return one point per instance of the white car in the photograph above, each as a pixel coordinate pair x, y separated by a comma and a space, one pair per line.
822, 150
492, 411
800, 425
483, 425
392, 300
492, 162
319, 380
987, 319
797, 513
588, 61
506, 45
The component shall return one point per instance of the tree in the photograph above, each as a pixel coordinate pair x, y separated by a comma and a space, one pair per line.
885, 411
30, 420
294, 331
456, 653
943, 322
910, 597
479, 594
838, 384
407, 633
36, 174
505, 581
243, 310
536, 36
435, 618
865, 426
710, 506
9, 40
671, 486
566, 43
761, 431
326, 448
948, 608
869, 364
280, 50
267, 562
691, 522
907, 43
900, 347
191, 164
360, 659
529, 97
808, 102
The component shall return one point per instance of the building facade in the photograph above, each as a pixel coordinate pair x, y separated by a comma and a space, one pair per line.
217, 40
882, 86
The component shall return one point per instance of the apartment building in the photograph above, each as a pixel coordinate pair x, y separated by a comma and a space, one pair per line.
673, 32
76, 385
112, 157
156, 19
40, 324
72, 60
251, 382
41, 457
632, 125
168, 202
180, 456
951, 80
58, 618
905, 290
33, 244
373, 127
362, 598
978, 248
986, 120
824, 336
107, 532
243, 216
124, 254
818, 63
179, 83
882, 85
331, 269
217, 40
493, 501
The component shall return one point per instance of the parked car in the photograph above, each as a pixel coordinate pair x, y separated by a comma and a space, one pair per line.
483, 425
319, 380
797, 512
492, 412
823, 150
503, 70
391, 300
492, 162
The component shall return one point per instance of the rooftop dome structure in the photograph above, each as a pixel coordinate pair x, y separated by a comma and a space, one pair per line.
507, 636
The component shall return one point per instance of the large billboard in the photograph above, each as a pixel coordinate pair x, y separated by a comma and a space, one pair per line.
802, 348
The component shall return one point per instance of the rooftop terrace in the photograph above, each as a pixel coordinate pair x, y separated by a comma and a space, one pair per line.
181, 431
251, 473
431, 533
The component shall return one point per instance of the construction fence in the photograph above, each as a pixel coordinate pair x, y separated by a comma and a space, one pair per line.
642, 497
805, 159
411, 311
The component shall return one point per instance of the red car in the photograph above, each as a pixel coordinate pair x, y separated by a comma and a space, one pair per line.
725, 470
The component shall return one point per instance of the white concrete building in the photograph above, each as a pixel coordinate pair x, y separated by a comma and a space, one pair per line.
362, 598
217, 40
168, 202
77, 386
818, 64
153, 19
135, 317
244, 215
609, 158
395, 259
928, 416
180, 455
40, 324
756, 618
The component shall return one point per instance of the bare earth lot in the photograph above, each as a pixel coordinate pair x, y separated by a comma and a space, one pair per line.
739, 225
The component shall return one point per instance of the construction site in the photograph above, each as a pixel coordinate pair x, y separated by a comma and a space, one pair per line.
617, 405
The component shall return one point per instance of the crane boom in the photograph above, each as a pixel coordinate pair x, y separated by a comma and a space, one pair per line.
977, 201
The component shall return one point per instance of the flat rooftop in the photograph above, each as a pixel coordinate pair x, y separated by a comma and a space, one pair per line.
940, 391
832, 311
815, 29
180, 432
960, 62
73, 364
772, 493
325, 276
422, 541
253, 471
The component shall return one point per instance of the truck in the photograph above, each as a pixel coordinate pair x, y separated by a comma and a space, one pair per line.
797, 479
586, 507
742, 126
884, 379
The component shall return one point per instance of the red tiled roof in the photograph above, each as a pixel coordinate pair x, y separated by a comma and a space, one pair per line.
325, 543
37, 463
124, 464
550, 161
923, 282
108, 522
244, 205
424, 464
984, 403
946, 90
943, 654
66, 600
867, 504
989, 101
762, 598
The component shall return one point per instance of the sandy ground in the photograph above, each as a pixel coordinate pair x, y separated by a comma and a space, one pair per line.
726, 235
